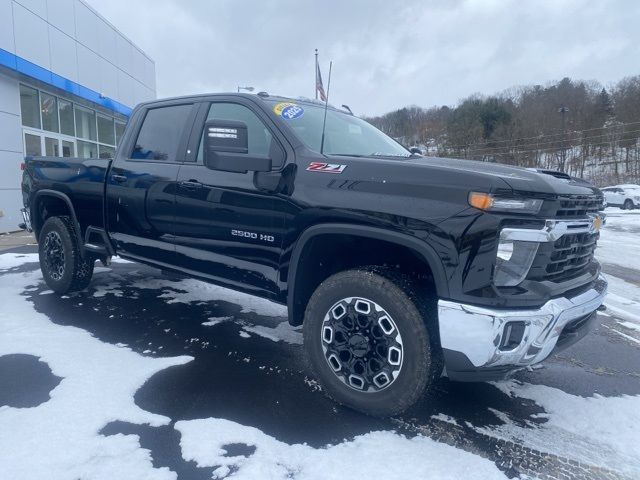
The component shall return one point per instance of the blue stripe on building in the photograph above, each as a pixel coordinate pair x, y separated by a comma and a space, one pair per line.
19, 64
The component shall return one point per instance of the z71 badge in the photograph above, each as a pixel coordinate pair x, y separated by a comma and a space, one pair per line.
326, 167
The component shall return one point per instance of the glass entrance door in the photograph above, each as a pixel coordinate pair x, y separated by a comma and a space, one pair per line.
32, 144
68, 148
51, 147
37, 144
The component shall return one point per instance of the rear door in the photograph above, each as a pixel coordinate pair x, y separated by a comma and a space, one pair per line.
142, 183
228, 229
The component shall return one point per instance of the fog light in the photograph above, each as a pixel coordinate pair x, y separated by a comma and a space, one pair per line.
512, 335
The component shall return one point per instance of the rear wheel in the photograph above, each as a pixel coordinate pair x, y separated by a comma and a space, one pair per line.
63, 268
628, 204
367, 341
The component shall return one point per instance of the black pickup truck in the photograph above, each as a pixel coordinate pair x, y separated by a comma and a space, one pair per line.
399, 267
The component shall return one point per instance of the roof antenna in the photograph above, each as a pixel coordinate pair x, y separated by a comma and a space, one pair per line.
326, 105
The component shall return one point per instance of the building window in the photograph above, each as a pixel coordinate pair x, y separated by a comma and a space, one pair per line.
32, 145
85, 123
106, 133
49, 110
87, 149
119, 132
66, 118
106, 152
57, 127
29, 107
51, 147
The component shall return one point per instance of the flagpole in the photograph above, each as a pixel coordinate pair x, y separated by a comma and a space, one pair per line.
316, 70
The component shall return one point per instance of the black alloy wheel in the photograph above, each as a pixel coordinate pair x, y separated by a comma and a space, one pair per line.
368, 340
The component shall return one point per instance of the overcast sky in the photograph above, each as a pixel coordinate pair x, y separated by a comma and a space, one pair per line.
386, 54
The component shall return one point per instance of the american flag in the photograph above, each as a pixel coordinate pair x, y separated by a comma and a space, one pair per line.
319, 86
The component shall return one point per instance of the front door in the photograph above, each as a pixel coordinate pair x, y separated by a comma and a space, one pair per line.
142, 182
227, 229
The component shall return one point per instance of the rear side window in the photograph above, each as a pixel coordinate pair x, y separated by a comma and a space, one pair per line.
160, 134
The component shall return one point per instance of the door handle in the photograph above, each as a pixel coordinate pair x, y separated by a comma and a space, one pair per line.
118, 178
190, 184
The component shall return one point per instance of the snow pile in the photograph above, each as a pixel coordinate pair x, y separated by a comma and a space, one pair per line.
59, 439
374, 455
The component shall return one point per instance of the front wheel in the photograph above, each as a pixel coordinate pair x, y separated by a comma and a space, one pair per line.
628, 205
63, 268
366, 339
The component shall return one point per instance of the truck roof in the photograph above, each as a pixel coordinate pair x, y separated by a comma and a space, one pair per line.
264, 96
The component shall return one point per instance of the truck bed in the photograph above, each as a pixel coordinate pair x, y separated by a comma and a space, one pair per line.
82, 180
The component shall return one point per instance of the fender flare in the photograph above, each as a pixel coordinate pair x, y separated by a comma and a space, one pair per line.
422, 248
53, 193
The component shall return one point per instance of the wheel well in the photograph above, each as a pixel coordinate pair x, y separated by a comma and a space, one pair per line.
326, 254
47, 206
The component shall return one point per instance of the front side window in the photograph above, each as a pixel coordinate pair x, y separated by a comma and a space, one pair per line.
260, 139
160, 133
344, 134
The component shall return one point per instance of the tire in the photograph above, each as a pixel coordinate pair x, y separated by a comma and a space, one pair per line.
419, 357
628, 205
63, 268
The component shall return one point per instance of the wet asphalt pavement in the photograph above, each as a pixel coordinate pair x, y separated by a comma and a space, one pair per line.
253, 380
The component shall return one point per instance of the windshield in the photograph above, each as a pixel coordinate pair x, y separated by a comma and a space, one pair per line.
344, 134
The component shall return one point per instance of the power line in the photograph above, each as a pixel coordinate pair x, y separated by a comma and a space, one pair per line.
554, 144
520, 152
618, 125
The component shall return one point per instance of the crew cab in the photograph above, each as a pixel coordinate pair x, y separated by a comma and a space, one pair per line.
400, 268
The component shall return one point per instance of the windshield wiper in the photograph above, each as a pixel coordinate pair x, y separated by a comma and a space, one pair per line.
346, 155
393, 155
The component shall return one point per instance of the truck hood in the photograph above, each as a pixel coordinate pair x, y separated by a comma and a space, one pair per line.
520, 180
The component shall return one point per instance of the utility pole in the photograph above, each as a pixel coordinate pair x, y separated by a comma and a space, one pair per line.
563, 155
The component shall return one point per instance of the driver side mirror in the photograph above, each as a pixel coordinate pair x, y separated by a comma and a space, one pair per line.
226, 148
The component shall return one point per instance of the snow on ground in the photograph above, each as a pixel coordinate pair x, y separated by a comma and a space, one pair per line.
59, 438
594, 430
374, 455
189, 290
282, 332
619, 252
16, 259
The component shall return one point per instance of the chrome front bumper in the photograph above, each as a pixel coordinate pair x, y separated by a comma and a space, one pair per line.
477, 332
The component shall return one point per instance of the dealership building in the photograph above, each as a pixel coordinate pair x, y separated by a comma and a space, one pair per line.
68, 82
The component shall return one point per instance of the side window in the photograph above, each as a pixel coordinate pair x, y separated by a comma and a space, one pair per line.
261, 141
160, 134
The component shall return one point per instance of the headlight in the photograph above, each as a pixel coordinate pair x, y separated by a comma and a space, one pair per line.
513, 261
489, 202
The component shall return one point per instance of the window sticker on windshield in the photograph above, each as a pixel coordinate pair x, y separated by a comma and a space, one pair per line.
288, 111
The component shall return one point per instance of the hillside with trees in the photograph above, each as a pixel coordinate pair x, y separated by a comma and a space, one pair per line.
577, 127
